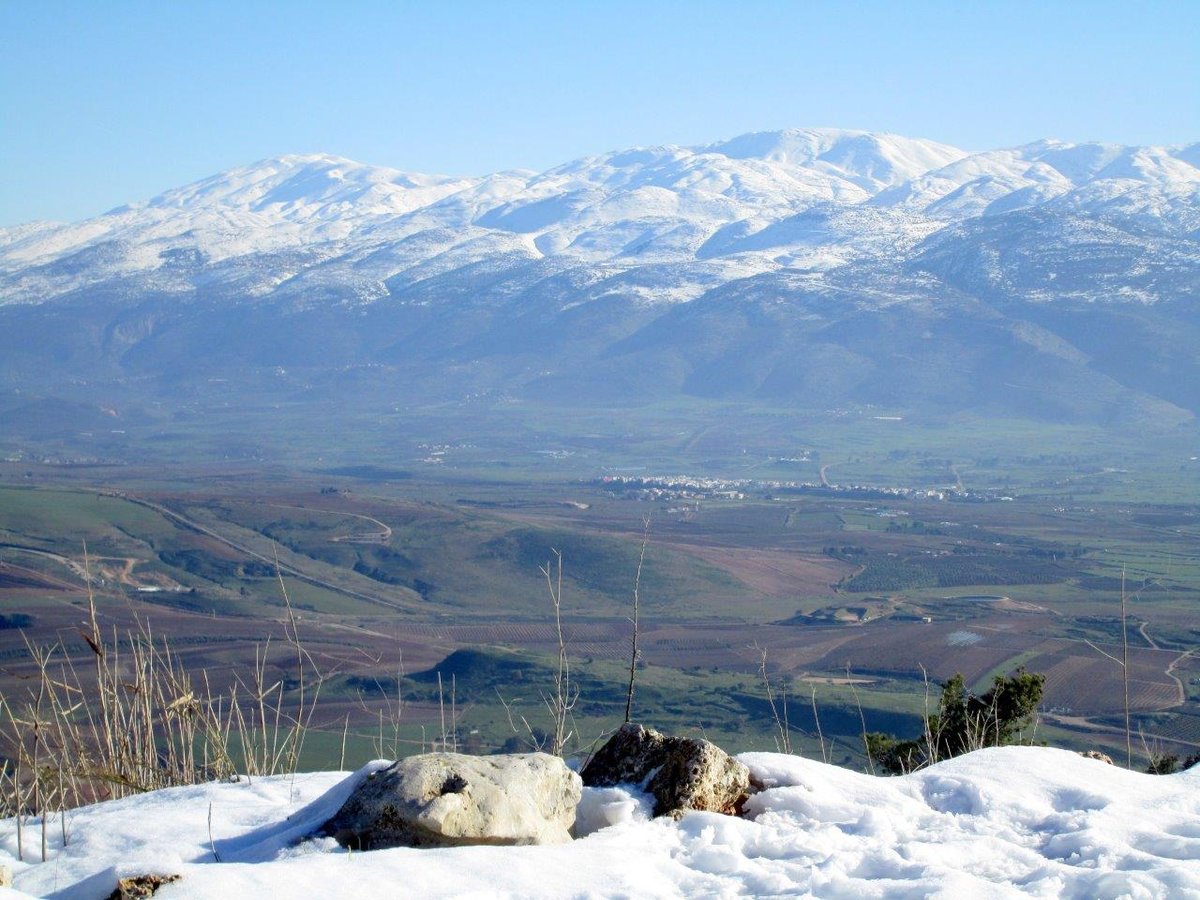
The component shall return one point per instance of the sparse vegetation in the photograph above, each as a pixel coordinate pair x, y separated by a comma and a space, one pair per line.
15, 621
635, 622
562, 702
959, 569
964, 722
461, 573
139, 720
1169, 763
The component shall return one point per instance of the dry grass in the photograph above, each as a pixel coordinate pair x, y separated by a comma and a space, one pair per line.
138, 721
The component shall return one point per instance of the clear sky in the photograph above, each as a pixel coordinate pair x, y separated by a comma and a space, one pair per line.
102, 103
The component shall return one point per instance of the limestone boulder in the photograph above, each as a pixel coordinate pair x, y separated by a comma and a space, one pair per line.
681, 773
451, 799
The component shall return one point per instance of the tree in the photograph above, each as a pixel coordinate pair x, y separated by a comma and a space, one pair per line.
964, 722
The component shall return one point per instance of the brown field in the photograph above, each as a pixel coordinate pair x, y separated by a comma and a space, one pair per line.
19, 578
1083, 682
773, 572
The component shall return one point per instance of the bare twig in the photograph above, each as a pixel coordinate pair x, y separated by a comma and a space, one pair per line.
817, 721
1125, 671
783, 743
211, 843
634, 653
1123, 662
562, 702
863, 720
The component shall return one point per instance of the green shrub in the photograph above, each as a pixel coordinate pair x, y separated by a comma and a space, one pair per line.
964, 722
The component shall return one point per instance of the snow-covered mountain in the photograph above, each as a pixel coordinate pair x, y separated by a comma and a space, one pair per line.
797, 200
721, 268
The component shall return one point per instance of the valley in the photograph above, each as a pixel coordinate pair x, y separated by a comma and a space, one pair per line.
848, 598
893, 410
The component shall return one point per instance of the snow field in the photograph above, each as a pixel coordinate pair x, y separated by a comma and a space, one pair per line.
1005, 822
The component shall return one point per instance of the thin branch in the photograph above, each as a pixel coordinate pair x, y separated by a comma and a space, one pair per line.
634, 652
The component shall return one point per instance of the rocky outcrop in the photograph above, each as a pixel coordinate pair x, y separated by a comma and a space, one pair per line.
449, 799
681, 773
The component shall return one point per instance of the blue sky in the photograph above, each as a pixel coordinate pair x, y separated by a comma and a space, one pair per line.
103, 103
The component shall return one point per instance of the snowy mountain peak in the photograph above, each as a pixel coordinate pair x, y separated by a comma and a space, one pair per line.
809, 200
870, 160
291, 183
740, 268
1082, 163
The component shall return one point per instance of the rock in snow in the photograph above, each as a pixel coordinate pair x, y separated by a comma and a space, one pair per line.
681, 773
450, 800
139, 887
1006, 822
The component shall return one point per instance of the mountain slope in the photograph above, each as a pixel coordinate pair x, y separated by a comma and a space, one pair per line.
808, 266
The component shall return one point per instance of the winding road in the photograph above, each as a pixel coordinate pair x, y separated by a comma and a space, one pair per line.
284, 568
382, 535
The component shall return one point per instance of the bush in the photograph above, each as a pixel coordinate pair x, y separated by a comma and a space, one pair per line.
964, 722
1168, 763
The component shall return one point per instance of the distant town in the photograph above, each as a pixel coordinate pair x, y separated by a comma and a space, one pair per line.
693, 487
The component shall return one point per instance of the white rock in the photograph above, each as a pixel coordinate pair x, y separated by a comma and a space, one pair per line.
450, 799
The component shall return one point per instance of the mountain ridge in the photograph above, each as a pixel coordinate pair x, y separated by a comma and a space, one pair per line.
796, 267
670, 200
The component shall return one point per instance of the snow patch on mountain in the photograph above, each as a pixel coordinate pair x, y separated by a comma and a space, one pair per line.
816, 200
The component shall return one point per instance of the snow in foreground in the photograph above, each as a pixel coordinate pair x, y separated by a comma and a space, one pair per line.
1001, 822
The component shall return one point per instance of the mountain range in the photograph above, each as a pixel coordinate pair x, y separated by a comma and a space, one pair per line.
802, 268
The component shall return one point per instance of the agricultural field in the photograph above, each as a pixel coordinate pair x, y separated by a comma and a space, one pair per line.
853, 605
